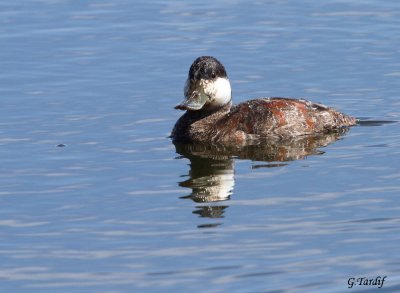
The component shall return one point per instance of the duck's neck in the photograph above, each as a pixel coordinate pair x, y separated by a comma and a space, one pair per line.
209, 110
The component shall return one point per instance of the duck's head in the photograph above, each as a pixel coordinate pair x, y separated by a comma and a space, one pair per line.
207, 86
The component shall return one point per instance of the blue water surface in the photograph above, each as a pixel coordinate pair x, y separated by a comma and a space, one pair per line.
95, 197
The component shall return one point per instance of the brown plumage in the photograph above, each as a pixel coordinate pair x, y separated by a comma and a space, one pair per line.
269, 118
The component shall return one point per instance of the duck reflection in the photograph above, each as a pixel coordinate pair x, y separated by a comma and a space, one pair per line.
211, 175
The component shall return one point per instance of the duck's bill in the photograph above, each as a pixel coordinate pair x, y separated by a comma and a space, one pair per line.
195, 102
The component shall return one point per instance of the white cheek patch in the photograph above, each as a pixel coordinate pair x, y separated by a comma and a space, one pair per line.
219, 91
186, 88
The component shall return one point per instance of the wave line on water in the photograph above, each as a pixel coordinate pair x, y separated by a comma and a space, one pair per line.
366, 121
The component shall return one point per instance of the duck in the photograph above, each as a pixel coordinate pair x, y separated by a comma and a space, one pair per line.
211, 117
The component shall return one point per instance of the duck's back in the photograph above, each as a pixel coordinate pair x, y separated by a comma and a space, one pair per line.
283, 118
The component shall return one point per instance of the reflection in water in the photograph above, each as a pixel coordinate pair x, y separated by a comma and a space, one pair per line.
211, 174
211, 178
210, 211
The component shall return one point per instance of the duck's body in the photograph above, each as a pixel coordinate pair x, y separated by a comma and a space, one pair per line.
274, 118
210, 116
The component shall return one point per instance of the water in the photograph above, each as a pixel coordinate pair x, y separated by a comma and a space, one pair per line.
96, 198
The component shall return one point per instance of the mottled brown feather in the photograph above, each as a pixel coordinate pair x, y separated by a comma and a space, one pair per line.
272, 118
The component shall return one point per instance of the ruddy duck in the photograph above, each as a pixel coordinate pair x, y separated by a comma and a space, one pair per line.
211, 117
